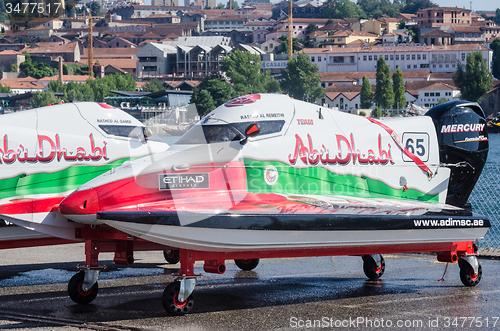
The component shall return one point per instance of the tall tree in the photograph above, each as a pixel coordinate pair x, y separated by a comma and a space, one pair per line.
44, 98
366, 94
412, 6
234, 5
244, 71
301, 79
476, 80
153, 85
341, 9
398, 86
495, 46
4, 89
497, 16
377, 8
384, 94
217, 88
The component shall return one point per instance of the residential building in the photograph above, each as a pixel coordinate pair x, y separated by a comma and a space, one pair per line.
490, 102
406, 57
225, 23
343, 38
10, 57
165, 2
443, 16
436, 37
69, 52
300, 25
469, 35
264, 5
269, 46
40, 32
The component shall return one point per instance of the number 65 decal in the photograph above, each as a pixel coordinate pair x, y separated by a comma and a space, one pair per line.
418, 144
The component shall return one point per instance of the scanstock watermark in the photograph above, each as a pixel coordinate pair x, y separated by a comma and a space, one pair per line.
356, 322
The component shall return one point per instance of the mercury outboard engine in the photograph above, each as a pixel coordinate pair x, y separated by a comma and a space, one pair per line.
463, 145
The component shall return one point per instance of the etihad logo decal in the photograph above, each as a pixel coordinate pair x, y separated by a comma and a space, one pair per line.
346, 152
184, 181
462, 128
49, 150
305, 121
243, 100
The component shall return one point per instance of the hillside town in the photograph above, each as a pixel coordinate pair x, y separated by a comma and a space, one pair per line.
179, 46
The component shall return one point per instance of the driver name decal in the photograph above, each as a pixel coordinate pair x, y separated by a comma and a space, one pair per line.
346, 152
49, 149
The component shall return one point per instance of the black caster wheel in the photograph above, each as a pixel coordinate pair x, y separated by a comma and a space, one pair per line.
247, 264
171, 303
171, 256
467, 274
371, 269
76, 292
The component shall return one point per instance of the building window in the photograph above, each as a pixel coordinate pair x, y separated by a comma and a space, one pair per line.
375, 57
463, 56
386, 57
319, 58
414, 66
426, 94
438, 94
397, 57
432, 94
407, 57
424, 56
364, 57
418, 56
392, 57
369, 57
413, 56
312, 58
408, 66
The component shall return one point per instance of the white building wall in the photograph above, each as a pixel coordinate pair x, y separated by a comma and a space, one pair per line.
406, 58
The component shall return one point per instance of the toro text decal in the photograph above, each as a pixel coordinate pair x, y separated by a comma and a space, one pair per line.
347, 152
49, 150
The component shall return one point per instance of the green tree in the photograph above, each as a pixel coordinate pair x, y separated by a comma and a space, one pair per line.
13, 67
44, 98
220, 6
377, 8
398, 86
5, 89
366, 95
153, 85
95, 7
341, 9
234, 5
384, 94
476, 80
412, 6
442, 100
497, 16
203, 101
56, 86
495, 46
301, 79
244, 71
219, 90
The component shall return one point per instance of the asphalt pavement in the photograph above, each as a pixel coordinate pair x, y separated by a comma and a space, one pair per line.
321, 293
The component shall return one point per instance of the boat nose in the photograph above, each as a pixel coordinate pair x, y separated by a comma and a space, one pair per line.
80, 203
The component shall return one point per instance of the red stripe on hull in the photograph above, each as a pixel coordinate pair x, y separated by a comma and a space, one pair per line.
28, 206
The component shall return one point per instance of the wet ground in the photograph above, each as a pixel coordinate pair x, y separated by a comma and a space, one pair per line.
303, 293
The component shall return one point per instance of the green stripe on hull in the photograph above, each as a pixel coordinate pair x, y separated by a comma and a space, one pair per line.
57, 182
319, 181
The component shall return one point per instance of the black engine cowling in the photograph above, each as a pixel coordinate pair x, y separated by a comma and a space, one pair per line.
463, 145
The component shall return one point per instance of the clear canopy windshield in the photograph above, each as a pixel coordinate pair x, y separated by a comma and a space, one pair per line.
212, 133
140, 132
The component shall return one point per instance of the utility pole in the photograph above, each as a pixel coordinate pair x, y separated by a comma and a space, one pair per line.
91, 48
290, 31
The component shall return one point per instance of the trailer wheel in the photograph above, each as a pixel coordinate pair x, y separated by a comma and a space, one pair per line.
76, 292
247, 264
171, 256
467, 274
372, 269
171, 303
